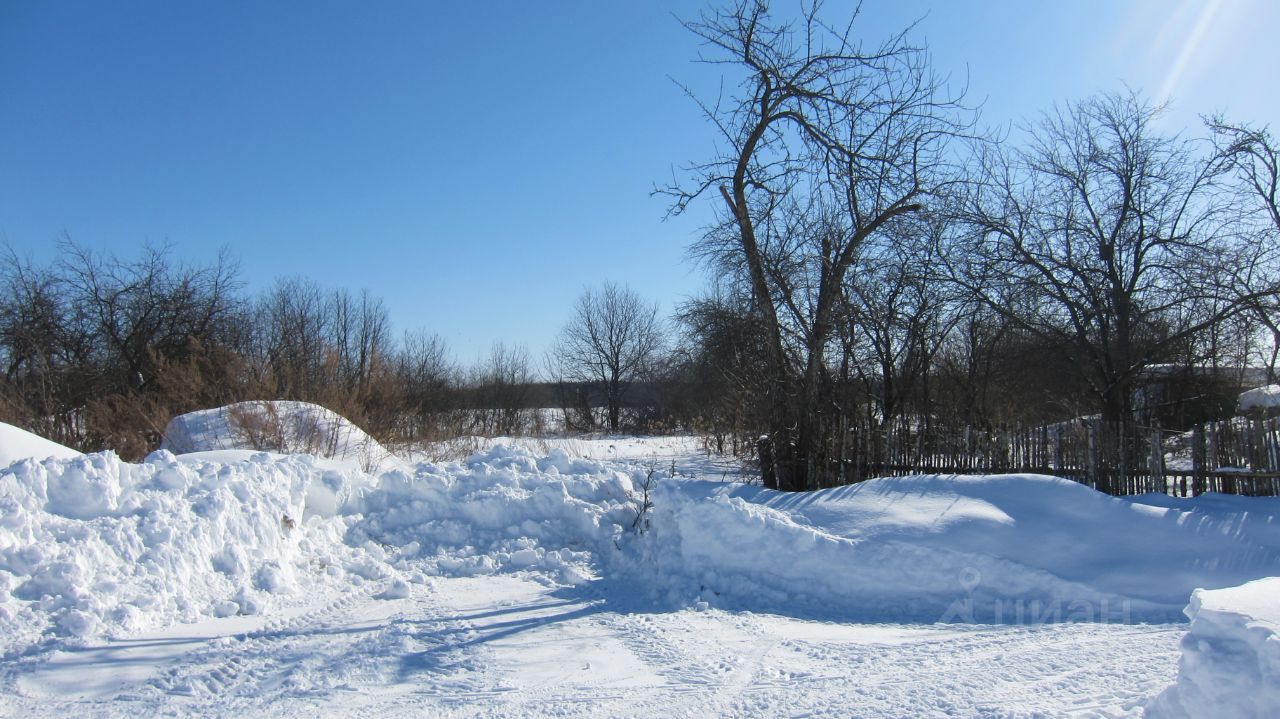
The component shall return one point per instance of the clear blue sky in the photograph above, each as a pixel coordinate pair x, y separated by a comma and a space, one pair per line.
478, 164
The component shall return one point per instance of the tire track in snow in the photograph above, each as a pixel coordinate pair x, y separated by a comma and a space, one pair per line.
1061, 669
441, 663
250, 659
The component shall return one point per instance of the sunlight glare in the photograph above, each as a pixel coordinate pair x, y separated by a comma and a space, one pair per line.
1190, 48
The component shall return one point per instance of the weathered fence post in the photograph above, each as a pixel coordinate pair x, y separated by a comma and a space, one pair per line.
1155, 463
1197, 461
1091, 461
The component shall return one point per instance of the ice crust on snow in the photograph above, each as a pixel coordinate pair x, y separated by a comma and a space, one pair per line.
1230, 664
91, 546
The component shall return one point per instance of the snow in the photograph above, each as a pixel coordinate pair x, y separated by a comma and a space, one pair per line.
1267, 397
1230, 665
277, 426
512, 646
524, 581
682, 455
95, 547
980, 548
17, 444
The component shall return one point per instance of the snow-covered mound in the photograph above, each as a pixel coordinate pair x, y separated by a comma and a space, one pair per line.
16, 444
277, 426
502, 509
1008, 548
1262, 398
95, 546
1230, 664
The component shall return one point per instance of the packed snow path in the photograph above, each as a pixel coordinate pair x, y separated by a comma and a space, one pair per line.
509, 646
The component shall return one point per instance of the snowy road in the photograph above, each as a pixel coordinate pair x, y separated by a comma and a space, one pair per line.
509, 646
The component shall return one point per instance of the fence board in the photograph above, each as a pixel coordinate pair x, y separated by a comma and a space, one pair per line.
1238, 456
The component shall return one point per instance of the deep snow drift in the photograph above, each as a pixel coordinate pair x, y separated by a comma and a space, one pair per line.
1004, 548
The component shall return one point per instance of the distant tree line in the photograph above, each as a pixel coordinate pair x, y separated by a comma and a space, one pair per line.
100, 352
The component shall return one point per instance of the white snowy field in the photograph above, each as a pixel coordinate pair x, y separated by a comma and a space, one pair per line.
525, 580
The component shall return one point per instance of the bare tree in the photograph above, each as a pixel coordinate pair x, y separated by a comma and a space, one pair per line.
826, 144
613, 338
94, 345
896, 315
39, 350
149, 306
361, 335
500, 390
295, 327
1113, 242
1252, 155
428, 383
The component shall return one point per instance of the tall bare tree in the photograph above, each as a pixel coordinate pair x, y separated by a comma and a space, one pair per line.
825, 144
1252, 155
1114, 242
613, 339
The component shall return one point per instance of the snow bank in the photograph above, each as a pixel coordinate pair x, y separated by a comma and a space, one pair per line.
1230, 664
1010, 548
502, 509
16, 444
278, 426
1260, 398
92, 546
95, 546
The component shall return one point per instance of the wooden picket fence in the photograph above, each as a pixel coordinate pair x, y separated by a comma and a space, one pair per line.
1237, 456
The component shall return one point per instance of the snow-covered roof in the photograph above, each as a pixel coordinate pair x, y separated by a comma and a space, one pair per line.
1260, 398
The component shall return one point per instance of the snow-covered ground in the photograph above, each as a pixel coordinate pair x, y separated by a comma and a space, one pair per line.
509, 645
531, 580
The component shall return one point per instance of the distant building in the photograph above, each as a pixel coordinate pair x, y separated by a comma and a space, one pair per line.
1181, 396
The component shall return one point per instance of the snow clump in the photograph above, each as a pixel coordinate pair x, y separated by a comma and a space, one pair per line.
1230, 665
